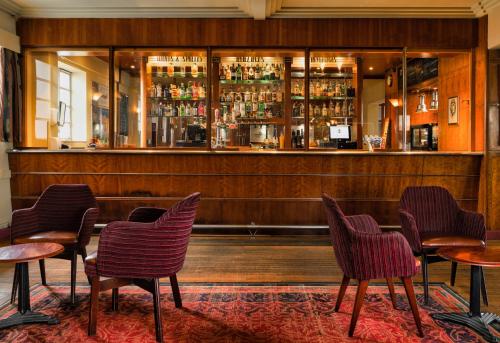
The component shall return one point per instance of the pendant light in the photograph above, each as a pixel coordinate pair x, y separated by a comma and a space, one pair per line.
435, 100
422, 107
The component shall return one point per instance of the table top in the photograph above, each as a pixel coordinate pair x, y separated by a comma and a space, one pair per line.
29, 252
477, 256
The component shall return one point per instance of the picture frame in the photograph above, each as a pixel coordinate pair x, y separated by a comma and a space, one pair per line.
453, 110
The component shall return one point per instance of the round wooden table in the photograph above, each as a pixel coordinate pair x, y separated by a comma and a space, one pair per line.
21, 254
477, 257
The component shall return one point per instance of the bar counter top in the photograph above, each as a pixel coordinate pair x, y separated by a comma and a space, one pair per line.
241, 152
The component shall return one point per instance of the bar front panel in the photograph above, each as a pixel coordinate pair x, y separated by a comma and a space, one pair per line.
265, 189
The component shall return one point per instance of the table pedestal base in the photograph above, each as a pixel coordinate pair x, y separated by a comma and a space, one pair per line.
25, 315
477, 323
27, 318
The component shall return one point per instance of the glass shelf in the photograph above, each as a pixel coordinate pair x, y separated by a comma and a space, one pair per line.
250, 82
312, 98
176, 99
331, 75
297, 97
179, 76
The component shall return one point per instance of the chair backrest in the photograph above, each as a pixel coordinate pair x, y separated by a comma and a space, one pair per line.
339, 232
174, 227
433, 207
61, 206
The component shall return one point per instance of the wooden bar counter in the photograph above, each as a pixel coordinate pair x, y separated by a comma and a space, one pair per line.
240, 188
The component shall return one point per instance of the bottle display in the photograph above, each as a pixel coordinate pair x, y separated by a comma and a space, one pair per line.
332, 97
176, 102
250, 110
298, 108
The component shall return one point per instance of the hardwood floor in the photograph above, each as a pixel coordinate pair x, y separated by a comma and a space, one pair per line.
235, 258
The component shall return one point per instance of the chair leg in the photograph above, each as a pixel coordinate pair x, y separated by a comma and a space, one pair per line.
342, 290
453, 273
157, 308
73, 276
484, 293
410, 294
426, 278
83, 252
15, 284
114, 299
42, 271
360, 296
94, 305
390, 285
175, 291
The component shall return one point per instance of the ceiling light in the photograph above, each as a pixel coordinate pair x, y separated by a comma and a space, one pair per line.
394, 102
132, 66
422, 107
370, 68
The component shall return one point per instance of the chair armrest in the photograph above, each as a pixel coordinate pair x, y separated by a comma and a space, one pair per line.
145, 214
364, 223
382, 255
87, 226
471, 224
410, 230
24, 222
138, 250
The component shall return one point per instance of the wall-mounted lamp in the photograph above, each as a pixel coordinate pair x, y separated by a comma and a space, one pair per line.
395, 102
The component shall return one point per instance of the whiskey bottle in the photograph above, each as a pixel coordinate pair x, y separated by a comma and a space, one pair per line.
272, 72
194, 70
233, 72
337, 108
170, 69
324, 111
202, 92
294, 140
251, 73
228, 72
269, 95
295, 110
245, 73
222, 72
258, 73
238, 73
195, 91
302, 110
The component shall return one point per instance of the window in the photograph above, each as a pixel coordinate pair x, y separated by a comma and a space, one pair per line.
42, 110
64, 114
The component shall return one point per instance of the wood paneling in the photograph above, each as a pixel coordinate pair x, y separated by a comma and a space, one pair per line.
266, 189
328, 33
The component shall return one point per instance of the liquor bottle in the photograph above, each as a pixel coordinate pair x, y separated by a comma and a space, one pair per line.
302, 110
239, 73
294, 140
317, 111
228, 72
324, 110
279, 96
269, 95
182, 109
272, 72
255, 95
195, 91
258, 73
317, 89
194, 70
201, 110
296, 90
202, 92
345, 110
222, 72
248, 109
187, 109
302, 142
295, 110
183, 71
274, 96
337, 108
222, 96
182, 91
189, 90
245, 73
255, 108
242, 109
170, 69
337, 90
166, 93
233, 72
251, 73
262, 109
248, 96
299, 139
175, 111
158, 90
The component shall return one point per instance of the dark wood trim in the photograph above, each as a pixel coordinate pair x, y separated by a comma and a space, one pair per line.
112, 97
307, 66
269, 33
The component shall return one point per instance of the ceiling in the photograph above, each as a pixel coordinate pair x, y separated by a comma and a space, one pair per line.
257, 9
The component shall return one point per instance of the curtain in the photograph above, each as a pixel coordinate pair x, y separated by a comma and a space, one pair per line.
10, 96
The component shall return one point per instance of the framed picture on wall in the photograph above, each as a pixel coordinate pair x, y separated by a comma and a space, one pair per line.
453, 109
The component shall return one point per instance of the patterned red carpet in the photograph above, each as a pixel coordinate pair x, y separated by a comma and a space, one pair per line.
238, 313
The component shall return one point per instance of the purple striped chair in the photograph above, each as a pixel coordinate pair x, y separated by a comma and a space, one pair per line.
64, 214
363, 252
431, 219
140, 252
